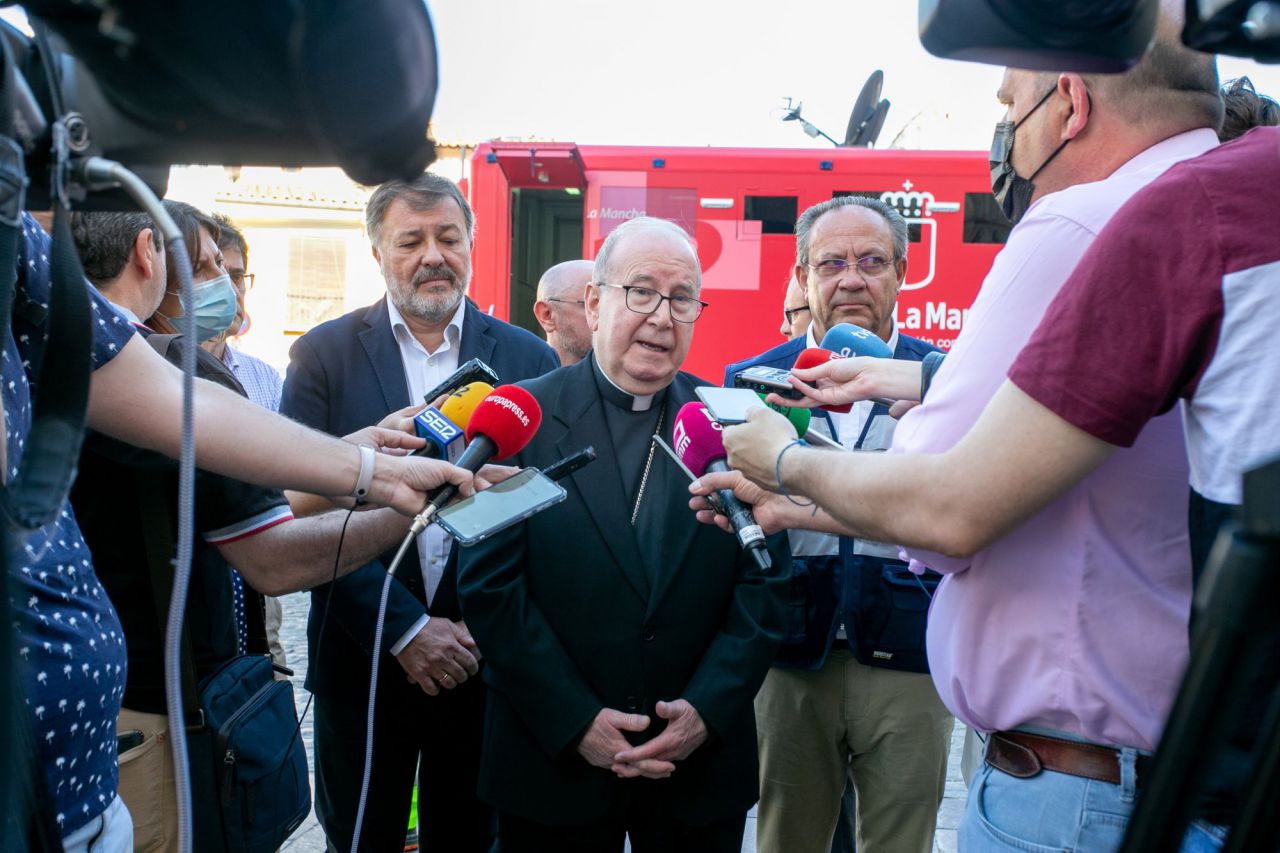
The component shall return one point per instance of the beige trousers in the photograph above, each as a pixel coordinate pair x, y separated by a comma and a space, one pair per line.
146, 782
274, 617
890, 727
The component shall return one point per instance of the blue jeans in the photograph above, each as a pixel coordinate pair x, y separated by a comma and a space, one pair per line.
1203, 837
1053, 812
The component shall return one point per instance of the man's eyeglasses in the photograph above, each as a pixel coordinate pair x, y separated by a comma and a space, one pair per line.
790, 313
835, 267
645, 300
242, 280
567, 301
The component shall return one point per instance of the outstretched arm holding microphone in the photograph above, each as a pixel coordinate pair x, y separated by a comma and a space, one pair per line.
1015, 460
841, 381
137, 397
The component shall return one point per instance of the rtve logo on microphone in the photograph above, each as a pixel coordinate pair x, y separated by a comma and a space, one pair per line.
681, 438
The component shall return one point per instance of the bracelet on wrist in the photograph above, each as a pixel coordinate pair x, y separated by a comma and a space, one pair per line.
368, 455
777, 471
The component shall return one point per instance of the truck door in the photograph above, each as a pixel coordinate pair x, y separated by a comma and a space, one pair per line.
546, 229
545, 181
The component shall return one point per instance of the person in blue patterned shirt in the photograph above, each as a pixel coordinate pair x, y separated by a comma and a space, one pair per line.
71, 647
68, 635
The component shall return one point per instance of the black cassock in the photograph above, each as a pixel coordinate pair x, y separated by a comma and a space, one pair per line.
579, 609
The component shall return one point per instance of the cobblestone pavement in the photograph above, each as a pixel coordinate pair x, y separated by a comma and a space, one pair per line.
310, 839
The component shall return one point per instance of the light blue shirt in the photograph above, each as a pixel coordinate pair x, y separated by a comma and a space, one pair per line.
260, 380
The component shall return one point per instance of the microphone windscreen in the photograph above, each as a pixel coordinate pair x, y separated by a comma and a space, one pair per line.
696, 438
848, 340
508, 417
799, 417
462, 403
814, 356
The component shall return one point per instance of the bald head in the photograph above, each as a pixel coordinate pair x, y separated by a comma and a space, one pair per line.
565, 280
560, 312
647, 227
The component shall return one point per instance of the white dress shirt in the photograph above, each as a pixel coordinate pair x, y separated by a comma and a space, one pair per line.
423, 371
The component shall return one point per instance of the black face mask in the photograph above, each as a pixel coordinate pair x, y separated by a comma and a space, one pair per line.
1012, 191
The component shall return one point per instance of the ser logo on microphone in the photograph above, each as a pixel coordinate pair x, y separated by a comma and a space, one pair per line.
440, 425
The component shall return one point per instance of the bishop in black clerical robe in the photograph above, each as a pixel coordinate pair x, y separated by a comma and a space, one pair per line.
618, 598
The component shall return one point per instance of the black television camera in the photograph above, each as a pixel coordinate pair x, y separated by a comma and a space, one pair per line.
1090, 35
347, 82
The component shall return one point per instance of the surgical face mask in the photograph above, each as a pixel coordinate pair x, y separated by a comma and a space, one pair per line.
215, 307
1012, 191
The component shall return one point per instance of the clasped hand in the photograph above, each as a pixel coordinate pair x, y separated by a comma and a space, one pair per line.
605, 746
441, 655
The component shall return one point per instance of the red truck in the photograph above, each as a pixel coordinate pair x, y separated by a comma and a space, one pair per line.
537, 204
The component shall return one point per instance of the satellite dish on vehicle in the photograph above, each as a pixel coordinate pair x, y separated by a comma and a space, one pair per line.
871, 128
868, 114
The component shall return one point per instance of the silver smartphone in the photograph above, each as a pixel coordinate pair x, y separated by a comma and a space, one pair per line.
729, 405
485, 513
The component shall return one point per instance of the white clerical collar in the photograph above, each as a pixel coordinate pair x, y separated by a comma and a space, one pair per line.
452, 332
623, 399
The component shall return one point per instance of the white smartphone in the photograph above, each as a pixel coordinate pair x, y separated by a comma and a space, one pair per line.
729, 405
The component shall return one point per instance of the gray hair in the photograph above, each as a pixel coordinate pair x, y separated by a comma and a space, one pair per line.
425, 192
635, 226
897, 225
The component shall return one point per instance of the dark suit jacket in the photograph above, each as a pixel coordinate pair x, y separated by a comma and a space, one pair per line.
345, 375
559, 606
882, 606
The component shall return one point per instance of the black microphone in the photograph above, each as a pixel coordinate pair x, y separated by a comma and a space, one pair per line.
569, 464
474, 370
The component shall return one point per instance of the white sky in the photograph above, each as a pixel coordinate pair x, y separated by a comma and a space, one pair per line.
706, 72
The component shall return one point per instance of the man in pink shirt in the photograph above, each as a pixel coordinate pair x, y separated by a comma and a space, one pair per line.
1061, 625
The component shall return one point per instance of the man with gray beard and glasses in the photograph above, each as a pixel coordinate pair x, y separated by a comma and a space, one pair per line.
360, 368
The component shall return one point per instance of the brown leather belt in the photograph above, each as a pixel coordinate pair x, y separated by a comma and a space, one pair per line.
1023, 755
